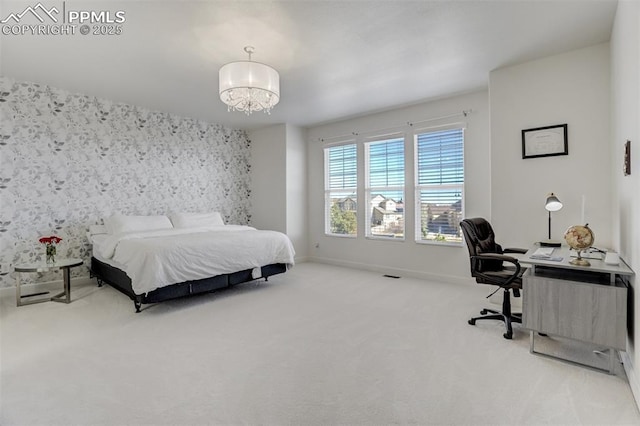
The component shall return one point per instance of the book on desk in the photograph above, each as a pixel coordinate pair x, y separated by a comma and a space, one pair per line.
545, 253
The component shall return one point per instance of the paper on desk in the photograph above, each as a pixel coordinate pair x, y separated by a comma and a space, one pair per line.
545, 257
545, 253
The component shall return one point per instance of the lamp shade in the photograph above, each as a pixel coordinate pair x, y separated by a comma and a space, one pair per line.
249, 86
552, 204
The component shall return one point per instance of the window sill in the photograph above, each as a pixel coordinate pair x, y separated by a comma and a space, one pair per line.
341, 235
439, 243
373, 237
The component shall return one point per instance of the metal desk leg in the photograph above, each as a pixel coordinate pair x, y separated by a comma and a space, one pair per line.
20, 296
531, 341
18, 301
65, 296
612, 357
612, 360
612, 351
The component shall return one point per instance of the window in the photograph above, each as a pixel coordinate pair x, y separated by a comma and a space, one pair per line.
384, 188
439, 185
341, 182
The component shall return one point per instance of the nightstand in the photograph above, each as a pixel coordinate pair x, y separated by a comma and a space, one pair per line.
64, 264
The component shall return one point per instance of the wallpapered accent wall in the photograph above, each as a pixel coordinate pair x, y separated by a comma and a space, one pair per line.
68, 161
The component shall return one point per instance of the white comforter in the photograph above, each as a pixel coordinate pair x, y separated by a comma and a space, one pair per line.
155, 259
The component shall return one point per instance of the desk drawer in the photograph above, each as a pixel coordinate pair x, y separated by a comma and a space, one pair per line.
592, 313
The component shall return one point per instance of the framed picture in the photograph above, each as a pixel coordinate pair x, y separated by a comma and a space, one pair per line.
545, 141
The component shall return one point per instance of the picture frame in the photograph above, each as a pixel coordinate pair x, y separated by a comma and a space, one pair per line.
545, 141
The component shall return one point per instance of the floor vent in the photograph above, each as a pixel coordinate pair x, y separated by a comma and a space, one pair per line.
391, 276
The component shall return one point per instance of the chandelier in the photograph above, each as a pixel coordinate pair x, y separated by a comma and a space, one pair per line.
249, 86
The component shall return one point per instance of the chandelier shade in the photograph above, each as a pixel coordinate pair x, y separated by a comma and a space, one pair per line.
249, 86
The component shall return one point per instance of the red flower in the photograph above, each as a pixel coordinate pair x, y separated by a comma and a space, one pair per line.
54, 239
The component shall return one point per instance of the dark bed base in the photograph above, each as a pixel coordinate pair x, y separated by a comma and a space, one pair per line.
118, 279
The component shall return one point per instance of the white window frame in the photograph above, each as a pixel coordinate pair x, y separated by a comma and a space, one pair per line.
419, 188
369, 191
328, 191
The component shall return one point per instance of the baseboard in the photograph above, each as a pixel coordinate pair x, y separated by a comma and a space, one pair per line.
632, 376
392, 271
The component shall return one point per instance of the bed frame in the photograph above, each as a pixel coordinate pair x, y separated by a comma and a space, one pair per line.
118, 279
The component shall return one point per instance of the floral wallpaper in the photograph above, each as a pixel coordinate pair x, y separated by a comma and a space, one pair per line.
68, 161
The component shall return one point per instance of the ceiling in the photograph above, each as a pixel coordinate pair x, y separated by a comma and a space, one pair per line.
336, 59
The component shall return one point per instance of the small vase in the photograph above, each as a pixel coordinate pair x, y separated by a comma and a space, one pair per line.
51, 253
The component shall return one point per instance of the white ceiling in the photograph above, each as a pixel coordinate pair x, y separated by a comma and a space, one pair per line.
336, 59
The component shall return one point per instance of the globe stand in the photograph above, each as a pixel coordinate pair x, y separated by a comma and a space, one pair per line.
579, 261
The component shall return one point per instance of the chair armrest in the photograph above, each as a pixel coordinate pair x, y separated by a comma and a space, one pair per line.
515, 250
496, 256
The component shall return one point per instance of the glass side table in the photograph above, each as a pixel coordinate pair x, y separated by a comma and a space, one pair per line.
64, 264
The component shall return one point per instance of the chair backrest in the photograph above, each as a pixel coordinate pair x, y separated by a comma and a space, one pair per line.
480, 238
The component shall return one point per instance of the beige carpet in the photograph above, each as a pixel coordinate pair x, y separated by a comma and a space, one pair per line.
319, 345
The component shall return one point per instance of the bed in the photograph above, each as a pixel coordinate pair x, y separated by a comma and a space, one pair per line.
156, 258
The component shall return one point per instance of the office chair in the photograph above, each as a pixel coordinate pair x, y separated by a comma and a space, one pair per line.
486, 258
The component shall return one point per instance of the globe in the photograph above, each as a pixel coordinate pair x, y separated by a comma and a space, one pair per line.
579, 238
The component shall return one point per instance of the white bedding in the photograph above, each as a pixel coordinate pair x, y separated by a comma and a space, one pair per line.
154, 259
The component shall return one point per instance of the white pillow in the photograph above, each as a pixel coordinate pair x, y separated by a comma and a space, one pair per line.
96, 239
119, 223
196, 220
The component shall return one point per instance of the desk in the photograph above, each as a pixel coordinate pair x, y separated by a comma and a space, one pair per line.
64, 264
584, 303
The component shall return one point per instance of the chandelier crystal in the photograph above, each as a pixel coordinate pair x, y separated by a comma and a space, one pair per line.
249, 86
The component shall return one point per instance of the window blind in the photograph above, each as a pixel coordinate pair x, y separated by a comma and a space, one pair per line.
441, 157
440, 185
386, 163
342, 167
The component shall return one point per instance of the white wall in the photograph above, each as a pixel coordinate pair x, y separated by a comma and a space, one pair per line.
570, 88
408, 258
268, 172
279, 187
297, 190
625, 110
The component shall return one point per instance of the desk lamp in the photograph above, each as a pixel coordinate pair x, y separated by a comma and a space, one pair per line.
552, 205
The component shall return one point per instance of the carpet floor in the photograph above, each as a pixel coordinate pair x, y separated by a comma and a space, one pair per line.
319, 345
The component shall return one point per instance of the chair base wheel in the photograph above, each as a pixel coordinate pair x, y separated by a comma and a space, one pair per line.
508, 320
483, 312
